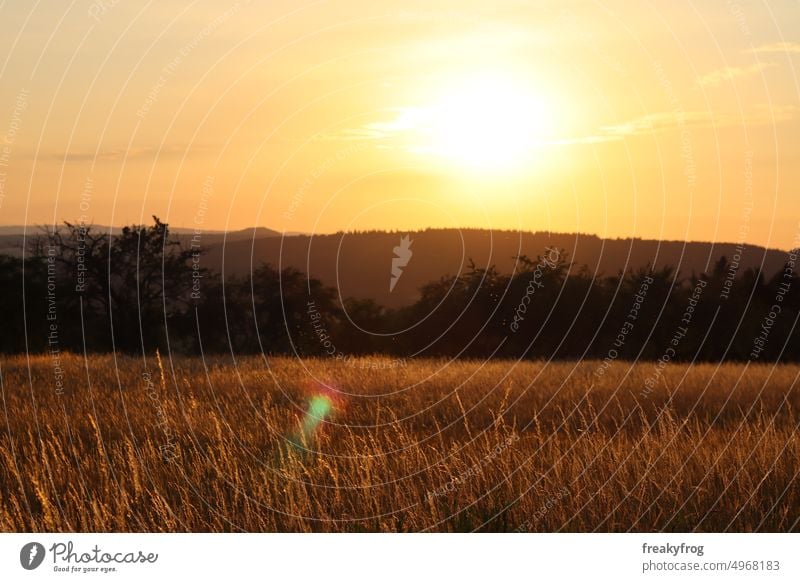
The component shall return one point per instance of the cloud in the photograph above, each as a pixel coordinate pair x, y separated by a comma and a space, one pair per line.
764, 114
777, 47
658, 121
714, 78
584, 139
397, 121
118, 155
398, 132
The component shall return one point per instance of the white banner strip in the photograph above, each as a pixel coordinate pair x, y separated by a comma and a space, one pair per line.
400, 557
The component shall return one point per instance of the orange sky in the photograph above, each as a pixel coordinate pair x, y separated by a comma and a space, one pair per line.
657, 120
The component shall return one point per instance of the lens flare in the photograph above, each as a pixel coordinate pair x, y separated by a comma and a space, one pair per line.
320, 407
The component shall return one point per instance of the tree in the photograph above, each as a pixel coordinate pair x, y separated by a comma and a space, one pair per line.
129, 285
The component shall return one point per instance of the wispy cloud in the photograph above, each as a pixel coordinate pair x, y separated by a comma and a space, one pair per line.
777, 47
584, 139
657, 122
403, 120
118, 155
664, 121
714, 78
399, 131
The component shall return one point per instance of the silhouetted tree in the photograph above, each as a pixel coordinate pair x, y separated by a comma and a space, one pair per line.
141, 289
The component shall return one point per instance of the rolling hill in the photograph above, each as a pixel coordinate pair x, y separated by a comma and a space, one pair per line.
360, 264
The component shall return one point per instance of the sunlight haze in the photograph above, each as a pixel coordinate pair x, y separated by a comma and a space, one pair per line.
655, 120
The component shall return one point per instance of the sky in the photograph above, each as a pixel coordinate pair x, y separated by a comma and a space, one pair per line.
669, 120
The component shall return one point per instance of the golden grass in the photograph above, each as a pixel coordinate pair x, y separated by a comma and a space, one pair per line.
425, 446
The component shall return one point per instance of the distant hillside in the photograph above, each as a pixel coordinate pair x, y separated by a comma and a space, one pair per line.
208, 238
35, 229
360, 264
11, 237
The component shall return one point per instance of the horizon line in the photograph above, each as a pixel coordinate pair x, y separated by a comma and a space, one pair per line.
185, 230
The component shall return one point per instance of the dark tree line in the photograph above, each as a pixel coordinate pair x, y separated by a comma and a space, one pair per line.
81, 290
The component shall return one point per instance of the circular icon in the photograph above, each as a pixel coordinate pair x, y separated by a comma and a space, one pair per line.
31, 555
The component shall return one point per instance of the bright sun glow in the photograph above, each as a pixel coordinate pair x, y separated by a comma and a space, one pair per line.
486, 122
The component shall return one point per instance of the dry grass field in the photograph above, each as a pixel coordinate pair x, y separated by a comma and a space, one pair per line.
184, 445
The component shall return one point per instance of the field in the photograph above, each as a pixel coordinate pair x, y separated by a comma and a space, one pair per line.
422, 445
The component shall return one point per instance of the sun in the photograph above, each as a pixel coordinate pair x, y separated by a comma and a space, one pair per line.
486, 122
